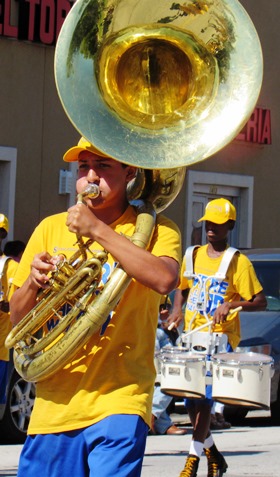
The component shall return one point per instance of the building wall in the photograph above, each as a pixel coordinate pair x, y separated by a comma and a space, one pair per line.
35, 124
260, 161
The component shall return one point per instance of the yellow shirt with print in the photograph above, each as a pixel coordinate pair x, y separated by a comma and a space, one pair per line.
241, 282
114, 372
5, 322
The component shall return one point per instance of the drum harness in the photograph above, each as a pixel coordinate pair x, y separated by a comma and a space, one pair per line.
196, 341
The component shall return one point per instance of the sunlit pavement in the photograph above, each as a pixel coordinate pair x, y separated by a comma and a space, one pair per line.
251, 450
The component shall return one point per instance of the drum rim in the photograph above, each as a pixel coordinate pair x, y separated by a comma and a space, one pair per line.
181, 361
261, 359
178, 356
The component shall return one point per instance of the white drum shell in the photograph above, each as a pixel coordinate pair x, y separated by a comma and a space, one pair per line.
182, 373
205, 343
242, 379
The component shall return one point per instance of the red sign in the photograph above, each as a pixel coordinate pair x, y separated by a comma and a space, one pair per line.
38, 20
258, 128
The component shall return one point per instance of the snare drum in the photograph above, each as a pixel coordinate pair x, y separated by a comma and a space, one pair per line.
182, 373
205, 343
242, 379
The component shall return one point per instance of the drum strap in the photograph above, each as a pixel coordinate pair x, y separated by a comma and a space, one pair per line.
223, 268
200, 341
189, 261
227, 257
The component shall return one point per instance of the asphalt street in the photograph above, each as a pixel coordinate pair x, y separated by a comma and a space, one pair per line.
251, 450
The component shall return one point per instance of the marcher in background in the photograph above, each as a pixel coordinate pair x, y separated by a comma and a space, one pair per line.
164, 336
7, 270
4, 229
92, 416
240, 288
14, 249
161, 420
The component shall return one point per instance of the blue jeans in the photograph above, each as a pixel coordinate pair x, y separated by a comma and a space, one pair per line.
162, 339
160, 403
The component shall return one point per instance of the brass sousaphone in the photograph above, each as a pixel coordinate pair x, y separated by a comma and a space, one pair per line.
155, 84
158, 84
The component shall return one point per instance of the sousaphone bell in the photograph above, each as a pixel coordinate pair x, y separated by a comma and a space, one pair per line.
158, 84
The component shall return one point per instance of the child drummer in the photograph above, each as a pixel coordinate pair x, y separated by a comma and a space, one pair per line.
239, 288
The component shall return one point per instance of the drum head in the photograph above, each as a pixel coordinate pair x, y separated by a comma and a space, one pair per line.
244, 358
179, 355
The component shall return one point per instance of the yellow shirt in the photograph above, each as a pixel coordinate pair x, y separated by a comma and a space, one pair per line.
240, 283
5, 323
114, 372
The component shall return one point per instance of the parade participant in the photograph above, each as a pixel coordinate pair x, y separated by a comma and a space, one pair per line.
4, 229
161, 420
14, 249
92, 417
240, 288
7, 271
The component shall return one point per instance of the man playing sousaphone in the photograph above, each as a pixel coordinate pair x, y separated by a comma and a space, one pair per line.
214, 292
92, 416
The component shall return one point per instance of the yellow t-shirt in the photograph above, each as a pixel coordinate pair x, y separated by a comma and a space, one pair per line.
5, 323
240, 283
114, 372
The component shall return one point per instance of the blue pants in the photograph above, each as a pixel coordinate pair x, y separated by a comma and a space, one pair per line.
113, 447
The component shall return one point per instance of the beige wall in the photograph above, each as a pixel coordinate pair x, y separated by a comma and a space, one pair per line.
260, 161
33, 121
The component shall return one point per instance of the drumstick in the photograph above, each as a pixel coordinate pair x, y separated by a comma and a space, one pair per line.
170, 327
234, 310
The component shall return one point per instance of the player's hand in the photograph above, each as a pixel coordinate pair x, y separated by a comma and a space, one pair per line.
42, 264
221, 313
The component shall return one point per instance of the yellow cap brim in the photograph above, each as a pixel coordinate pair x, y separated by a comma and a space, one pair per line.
72, 154
214, 219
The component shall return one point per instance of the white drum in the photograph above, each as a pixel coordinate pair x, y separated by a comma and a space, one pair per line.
242, 379
182, 373
205, 343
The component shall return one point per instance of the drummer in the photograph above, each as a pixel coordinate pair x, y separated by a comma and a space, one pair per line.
240, 288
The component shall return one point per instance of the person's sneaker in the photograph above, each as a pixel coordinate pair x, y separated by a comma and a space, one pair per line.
191, 466
217, 465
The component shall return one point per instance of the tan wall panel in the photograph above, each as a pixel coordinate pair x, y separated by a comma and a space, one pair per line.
33, 121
